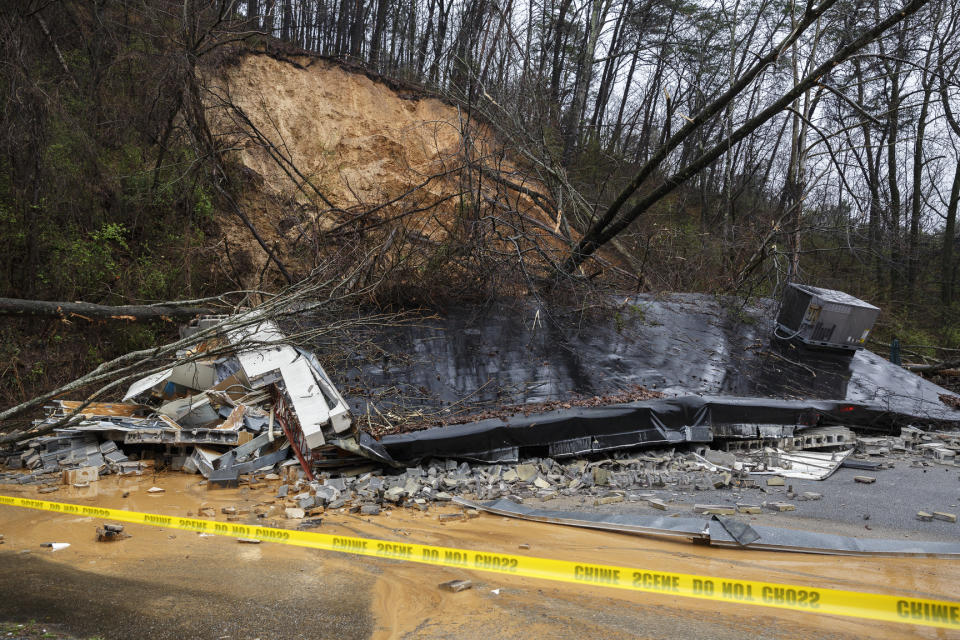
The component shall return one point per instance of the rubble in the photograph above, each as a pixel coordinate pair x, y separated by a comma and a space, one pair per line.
111, 533
456, 585
255, 404
714, 509
262, 409
781, 506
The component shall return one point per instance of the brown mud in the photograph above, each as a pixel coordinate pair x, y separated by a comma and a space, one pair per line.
164, 583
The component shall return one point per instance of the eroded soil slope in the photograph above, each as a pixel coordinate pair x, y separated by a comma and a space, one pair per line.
358, 141
332, 158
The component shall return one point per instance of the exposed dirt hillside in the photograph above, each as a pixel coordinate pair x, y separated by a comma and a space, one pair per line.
320, 146
357, 140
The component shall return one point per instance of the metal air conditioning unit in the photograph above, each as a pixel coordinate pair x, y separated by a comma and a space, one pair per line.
824, 318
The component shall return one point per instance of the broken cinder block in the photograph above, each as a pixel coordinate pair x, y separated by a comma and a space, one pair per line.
946, 517
781, 506
775, 481
81, 475
713, 509
450, 517
864, 479
111, 533
456, 585
656, 503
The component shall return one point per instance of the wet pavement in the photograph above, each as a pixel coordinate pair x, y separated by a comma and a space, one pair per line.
884, 509
164, 583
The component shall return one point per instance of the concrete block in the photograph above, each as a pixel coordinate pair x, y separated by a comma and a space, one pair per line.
722, 458
781, 506
601, 476
294, 513
456, 585
864, 479
923, 515
450, 517
83, 474
526, 472
412, 486
541, 483
946, 517
369, 510
714, 509
748, 508
721, 481
811, 495
395, 494
775, 481
656, 503
609, 500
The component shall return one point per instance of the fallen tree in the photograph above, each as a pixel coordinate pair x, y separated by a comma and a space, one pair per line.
90, 312
935, 367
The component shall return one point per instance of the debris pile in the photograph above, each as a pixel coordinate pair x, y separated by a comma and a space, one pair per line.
758, 479
607, 481
240, 400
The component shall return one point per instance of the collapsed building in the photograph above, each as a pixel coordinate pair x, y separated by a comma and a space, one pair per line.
263, 404
242, 400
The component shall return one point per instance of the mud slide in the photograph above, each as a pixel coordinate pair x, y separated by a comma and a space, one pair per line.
331, 157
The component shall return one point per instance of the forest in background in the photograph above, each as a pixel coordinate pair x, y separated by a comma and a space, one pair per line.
725, 147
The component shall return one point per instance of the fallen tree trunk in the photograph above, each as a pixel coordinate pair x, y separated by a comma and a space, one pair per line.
936, 367
90, 312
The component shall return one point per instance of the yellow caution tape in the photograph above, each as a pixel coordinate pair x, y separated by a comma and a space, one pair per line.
873, 606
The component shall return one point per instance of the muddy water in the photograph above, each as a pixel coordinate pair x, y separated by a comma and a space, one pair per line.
175, 584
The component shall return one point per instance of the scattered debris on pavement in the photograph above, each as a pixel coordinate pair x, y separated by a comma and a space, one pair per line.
111, 533
456, 585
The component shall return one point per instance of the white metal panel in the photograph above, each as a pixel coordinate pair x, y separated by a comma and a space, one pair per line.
145, 384
260, 357
308, 402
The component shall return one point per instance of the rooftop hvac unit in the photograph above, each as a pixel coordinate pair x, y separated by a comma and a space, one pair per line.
824, 318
